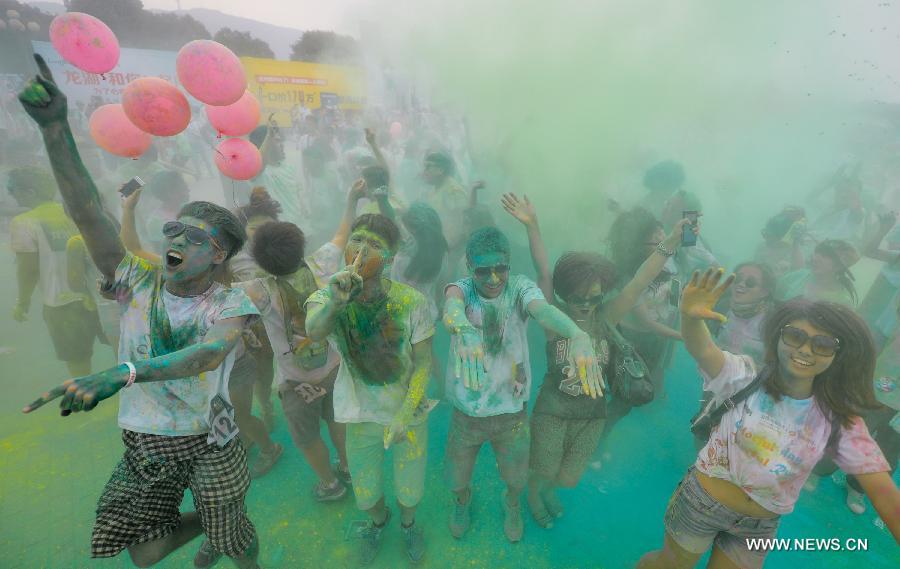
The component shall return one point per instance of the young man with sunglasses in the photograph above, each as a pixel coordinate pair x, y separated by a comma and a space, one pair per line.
489, 372
178, 328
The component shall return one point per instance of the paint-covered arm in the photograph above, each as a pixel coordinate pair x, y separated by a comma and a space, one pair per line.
616, 308
697, 306
47, 105
418, 382
84, 393
468, 349
128, 232
356, 193
885, 497
524, 212
28, 274
581, 348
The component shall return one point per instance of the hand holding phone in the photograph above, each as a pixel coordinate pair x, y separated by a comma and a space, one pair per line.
688, 237
131, 186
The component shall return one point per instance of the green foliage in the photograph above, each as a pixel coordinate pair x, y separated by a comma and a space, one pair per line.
243, 44
320, 46
137, 27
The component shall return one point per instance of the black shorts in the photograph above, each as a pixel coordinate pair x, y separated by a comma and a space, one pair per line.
72, 329
141, 500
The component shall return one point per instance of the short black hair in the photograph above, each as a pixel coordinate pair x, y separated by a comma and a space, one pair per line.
576, 270
487, 240
232, 232
442, 160
379, 225
375, 176
35, 179
278, 248
261, 204
258, 136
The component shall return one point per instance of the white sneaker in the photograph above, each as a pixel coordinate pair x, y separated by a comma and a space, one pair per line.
856, 501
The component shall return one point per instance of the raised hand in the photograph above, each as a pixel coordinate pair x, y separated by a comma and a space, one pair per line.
42, 99
83, 393
358, 190
346, 284
582, 358
469, 355
370, 137
673, 239
522, 209
703, 293
130, 202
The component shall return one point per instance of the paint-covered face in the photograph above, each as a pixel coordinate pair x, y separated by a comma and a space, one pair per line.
193, 252
748, 286
490, 271
584, 302
821, 266
432, 173
804, 361
376, 252
255, 223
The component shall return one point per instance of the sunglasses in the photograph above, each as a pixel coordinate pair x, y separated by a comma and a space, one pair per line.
582, 300
486, 272
194, 235
749, 282
825, 346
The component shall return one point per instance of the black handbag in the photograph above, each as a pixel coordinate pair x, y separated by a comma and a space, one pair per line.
628, 374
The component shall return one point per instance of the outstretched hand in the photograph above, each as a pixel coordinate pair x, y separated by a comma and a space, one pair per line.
469, 358
583, 359
703, 293
83, 393
522, 209
42, 99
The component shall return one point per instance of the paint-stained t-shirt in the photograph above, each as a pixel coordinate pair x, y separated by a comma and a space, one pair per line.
176, 407
46, 230
502, 323
768, 448
375, 341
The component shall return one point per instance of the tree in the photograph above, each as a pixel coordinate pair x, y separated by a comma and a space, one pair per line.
243, 44
136, 27
320, 46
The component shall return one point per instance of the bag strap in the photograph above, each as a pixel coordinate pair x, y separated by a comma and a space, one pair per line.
730, 403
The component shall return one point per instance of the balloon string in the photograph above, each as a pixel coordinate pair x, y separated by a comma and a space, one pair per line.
103, 76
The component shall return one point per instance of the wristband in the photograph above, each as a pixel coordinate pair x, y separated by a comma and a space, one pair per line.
132, 374
663, 250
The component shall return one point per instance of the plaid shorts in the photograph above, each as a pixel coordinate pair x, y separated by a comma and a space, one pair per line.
141, 500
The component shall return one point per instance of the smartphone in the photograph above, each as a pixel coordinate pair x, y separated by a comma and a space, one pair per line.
131, 186
688, 238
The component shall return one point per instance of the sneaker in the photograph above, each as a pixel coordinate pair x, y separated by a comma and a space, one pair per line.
414, 539
207, 556
856, 501
342, 475
265, 461
460, 518
332, 493
513, 526
371, 539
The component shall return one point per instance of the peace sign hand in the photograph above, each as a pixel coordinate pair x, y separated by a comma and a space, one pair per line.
42, 99
83, 393
346, 284
702, 293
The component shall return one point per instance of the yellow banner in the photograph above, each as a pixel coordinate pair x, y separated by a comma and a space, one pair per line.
280, 85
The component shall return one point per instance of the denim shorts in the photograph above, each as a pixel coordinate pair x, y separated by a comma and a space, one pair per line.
696, 521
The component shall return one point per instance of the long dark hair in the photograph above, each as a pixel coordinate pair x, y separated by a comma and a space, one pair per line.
841, 254
578, 269
844, 389
627, 238
424, 224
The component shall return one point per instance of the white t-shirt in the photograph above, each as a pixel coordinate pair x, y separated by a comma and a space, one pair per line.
768, 448
310, 362
510, 364
376, 342
46, 230
176, 407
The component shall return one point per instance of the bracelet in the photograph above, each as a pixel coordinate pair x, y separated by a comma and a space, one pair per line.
663, 250
132, 374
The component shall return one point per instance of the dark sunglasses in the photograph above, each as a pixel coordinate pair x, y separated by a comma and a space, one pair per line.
194, 235
485, 272
749, 282
825, 346
582, 300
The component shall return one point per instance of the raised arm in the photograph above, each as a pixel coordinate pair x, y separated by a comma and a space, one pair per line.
524, 211
616, 308
129, 233
84, 393
376, 151
46, 104
697, 303
356, 193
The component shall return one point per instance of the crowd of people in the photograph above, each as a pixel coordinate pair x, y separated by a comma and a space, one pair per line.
331, 299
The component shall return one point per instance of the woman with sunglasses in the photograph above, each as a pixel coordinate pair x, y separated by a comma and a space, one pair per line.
751, 299
566, 423
816, 377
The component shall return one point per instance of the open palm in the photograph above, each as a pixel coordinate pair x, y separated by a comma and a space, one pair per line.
702, 293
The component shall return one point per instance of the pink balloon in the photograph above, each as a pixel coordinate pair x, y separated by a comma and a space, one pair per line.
237, 119
211, 72
85, 42
238, 159
156, 106
113, 132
